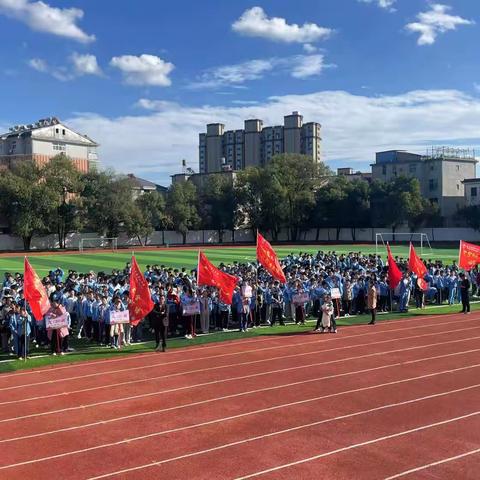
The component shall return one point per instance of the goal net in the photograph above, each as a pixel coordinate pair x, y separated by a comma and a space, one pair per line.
399, 243
99, 243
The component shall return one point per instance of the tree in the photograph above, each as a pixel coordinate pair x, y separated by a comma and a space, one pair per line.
146, 216
471, 215
181, 207
64, 182
216, 204
26, 202
259, 201
108, 201
297, 176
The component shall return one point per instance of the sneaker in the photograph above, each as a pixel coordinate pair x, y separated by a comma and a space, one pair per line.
54, 354
79, 336
62, 353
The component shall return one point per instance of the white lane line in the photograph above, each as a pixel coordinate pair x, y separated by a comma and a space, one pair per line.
219, 367
315, 342
309, 425
241, 394
434, 464
344, 449
229, 379
242, 342
268, 409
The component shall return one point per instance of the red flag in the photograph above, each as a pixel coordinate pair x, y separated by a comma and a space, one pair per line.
469, 255
141, 303
34, 292
416, 266
394, 273
268, 258
209, 274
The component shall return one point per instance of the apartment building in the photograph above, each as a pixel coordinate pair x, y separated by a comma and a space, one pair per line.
441, 173
45, 139
255, 145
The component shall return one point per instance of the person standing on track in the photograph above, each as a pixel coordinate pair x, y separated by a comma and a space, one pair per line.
464, 292
159, 322
372, 299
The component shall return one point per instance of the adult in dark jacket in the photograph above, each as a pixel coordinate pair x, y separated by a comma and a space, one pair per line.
159, 322
464, 293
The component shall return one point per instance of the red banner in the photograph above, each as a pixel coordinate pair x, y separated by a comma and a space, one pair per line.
416, 265
394, 273
209, 274
469, 255
141, 303
35, 292
268, 258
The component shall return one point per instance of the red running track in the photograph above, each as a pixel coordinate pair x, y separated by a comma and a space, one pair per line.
397, 400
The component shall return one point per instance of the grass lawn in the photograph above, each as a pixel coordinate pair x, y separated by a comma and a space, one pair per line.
188, 257
87, 351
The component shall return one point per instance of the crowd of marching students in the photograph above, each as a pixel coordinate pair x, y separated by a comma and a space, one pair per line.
360, 283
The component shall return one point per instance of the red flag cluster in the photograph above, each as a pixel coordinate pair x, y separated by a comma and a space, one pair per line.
469, 255
394, 273
141, 303
35, 292
268, 258
209, 274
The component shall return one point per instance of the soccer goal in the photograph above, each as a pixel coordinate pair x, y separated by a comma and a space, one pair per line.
98, 243
418, 240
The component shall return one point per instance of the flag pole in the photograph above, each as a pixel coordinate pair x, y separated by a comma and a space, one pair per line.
25, 326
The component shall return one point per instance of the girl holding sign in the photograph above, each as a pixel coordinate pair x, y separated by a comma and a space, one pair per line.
58, 334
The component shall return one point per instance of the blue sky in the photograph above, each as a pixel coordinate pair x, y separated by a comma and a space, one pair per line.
143, 77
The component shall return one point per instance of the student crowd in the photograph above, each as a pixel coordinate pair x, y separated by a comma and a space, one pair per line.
358, 283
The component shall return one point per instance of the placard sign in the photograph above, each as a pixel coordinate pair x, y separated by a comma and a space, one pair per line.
119, 316
335, 293
300, 298
55, 323
247, 291
190, 309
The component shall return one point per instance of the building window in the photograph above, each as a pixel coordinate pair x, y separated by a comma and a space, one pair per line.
412, 168
63, 132
458, 186
432, 167
432, 184
57, 131
473, 192
384, 169
59, 147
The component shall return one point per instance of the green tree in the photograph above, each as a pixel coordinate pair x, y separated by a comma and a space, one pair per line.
181, 207
26, 202
298, 177
108, 202
146, 216
471, 215
64, 182
216, 204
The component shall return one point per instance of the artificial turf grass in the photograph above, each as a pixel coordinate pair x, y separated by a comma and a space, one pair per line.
88, 351
178, 258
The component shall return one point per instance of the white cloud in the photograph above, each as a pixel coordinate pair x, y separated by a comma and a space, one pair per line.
435, 21
144, 70
41, 65
298, 66
155, 105
80, 65
245, 102
42, 17
476, 86
353, 127
254, 22
38, 64
309, 48
307, 66
386, 4
85, 64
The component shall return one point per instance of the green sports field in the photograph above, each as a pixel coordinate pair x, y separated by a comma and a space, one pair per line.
177, 258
